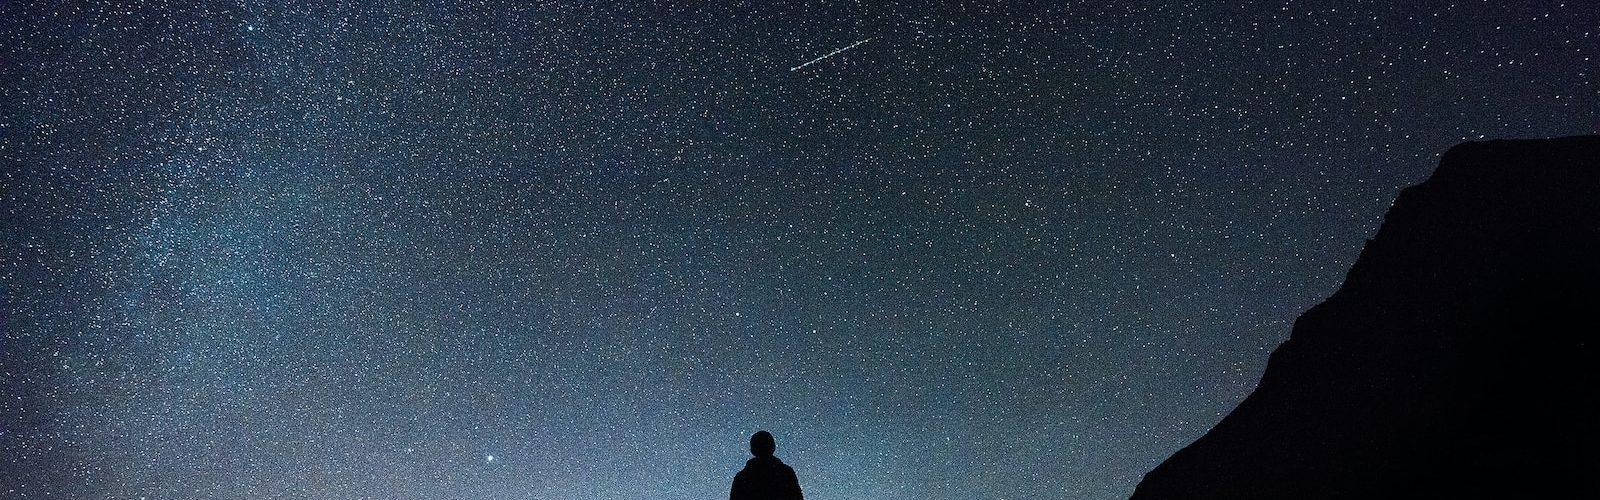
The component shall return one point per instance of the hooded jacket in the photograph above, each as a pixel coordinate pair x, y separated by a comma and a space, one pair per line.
765, 478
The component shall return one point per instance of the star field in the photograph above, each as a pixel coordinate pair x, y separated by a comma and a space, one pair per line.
583, 250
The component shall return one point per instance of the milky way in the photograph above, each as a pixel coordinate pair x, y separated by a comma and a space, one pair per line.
566, 250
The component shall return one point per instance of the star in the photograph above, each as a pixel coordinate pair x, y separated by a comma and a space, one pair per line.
373, 238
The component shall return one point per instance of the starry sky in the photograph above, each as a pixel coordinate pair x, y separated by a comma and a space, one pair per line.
583, 250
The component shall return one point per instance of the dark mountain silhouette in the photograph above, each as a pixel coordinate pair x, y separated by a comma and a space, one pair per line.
1457, 360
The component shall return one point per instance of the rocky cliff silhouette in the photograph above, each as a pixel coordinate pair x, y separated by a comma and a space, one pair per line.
1458, 359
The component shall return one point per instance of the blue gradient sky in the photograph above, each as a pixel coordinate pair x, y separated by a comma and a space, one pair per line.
346, 250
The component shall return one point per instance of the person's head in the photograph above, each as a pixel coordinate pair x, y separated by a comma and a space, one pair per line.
762, 444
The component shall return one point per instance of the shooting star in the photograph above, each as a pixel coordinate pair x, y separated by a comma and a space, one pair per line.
830, 54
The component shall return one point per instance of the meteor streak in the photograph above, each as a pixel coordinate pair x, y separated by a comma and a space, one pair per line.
830, 54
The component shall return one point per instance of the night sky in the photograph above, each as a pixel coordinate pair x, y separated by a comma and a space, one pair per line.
565, 250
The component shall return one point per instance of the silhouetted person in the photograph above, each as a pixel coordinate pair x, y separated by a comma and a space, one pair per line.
765, 477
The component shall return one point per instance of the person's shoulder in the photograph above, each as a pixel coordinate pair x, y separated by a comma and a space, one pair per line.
745, 472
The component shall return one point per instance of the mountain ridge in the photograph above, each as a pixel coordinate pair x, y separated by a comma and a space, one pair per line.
1444, 364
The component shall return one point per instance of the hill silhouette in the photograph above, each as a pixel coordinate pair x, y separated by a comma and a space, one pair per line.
1457, 360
